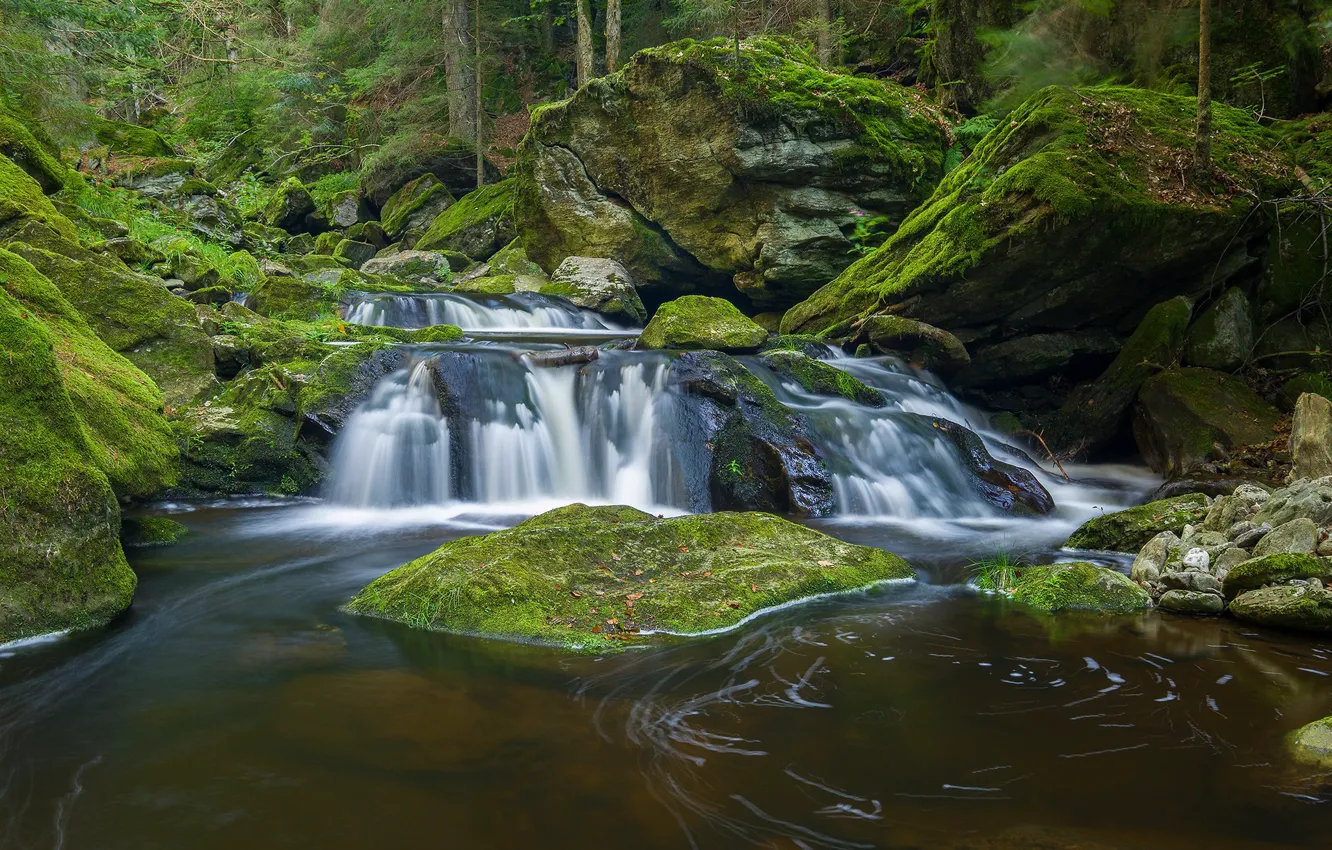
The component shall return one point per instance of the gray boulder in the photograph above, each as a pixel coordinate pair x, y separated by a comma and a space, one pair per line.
598, 284
414, 266
1310, 499
1222, 338
1191, 602
1299, 536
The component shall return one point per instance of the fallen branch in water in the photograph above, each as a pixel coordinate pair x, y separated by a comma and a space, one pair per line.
1040, 439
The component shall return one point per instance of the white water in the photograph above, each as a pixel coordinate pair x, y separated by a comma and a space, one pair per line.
521, 311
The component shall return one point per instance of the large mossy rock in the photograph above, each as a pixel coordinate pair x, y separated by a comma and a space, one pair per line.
478, 225
597, 284
1302, 607
692, 171
1222, 338
1311, 437
403, 160
79, 426
23, 203
819, 378
694, 322
1312, 744
1182, 415
288, 206
1129, 530
1074, 587
415, 206
1274, 569
1070, 214
595, 578
24, 150
131, 139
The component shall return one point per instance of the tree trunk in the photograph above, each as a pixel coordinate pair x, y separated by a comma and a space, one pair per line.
1202, 154
480, 99
458, 76
612, 36
584, 46
547, 29
823, 35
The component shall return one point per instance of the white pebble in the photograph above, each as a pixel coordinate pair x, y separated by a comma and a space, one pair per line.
1197, 559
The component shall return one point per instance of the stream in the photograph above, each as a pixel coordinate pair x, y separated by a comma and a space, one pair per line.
236, 705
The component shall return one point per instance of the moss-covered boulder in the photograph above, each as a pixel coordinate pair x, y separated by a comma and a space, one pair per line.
477, 225
423, 267
354, 254
131, 139
1071, 587
1095, 412
1129, 530
22, 202
139, 532
598, 578
1274, 569
819, 378
405, 158
160, 179
1222, 338
415, 206
596, 284
1183, 415
1312, 744
1301, 607
921, 344
288, 206
24, 150
694, 322
691, 170
1069, 214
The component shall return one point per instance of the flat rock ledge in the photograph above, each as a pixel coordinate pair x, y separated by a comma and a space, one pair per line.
604, 578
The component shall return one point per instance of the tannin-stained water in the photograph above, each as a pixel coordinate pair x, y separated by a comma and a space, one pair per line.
236, 705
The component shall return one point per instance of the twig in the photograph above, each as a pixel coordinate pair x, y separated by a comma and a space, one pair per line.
1040, 439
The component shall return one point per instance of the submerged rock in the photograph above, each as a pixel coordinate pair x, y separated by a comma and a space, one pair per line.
1312, 744
151, 531
694, 322
1009, 488
1129, 530
597, 578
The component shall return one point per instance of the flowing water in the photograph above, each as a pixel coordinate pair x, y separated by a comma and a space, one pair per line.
235, 705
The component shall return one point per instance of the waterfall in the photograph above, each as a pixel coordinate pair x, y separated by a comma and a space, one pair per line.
520, 311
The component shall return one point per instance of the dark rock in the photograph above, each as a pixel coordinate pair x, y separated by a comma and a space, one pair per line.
1003, 485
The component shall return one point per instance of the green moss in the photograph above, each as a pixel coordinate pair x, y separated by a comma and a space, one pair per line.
598, 578
437, 333
1184, 414
1065, 156
290, 203
497, 284
1076, 587
819, 378
1297, 607
22, 200
151, 531
131, 139
1312, 744
1129, 530
22, 148
407, 208
478, 224
1274, 569
694, 322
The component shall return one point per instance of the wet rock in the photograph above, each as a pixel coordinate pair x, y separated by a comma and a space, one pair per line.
1299, 536
1196, 581
918, 343
1187, 417
694, 322
1274, 569
1312, 744
1311, 437
1010, 488
1299, 607
594, 578
1129, 530
819, 378
1222, 337
1078, 586
1192, 602
598, 284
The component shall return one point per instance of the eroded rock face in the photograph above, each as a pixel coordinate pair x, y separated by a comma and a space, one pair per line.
693, 174
595, 578
1311, 437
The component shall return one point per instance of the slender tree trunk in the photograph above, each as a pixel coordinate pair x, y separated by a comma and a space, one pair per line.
1202, 154
480, 99
547, 28
458, 74
584, 47
612, 36
823, 36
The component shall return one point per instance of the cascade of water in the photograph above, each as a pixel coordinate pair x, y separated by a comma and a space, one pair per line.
520, 311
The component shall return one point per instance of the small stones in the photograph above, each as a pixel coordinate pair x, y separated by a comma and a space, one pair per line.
1195, 581
1152, 559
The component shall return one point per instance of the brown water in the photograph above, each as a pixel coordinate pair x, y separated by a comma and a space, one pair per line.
235, 707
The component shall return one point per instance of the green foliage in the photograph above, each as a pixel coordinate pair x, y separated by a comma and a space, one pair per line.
998, 572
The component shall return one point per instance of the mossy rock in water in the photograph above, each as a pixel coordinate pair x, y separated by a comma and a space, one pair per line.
1070, 213
1094, 413
415, 206
696, 167
437, 334
1274, 569
24, 150
599, 578
819, 378
131, 139
478, 224
1183, 415
1076, 587
1312, 744
1129, 530
921, 344
694, 322
151, 531
1302, 607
